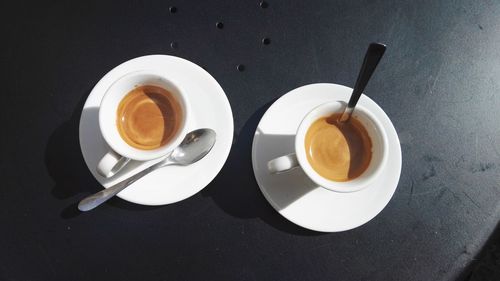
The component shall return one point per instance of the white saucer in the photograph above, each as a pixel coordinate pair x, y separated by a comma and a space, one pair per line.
293, 194
173, 183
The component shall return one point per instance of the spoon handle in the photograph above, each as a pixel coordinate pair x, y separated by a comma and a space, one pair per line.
372, 58
104, 195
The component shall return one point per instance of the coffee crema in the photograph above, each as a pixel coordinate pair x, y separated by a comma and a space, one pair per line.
338, 151
148, 117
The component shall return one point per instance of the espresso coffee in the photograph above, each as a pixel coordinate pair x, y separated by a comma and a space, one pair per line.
338, 151
148, 117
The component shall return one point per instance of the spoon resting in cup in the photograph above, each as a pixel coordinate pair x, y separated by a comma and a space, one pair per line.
196, 145
372, 58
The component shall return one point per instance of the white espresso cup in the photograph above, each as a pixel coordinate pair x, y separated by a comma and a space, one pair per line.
299, 158
120, 152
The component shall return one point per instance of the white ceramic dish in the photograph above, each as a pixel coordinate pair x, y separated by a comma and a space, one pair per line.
210, 109
293, 194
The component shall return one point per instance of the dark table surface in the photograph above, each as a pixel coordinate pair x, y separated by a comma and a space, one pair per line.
438, 82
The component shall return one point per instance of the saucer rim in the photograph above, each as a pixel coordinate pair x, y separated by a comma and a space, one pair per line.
388, 173
158, 62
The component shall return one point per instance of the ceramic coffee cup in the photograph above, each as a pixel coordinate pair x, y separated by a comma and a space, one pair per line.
299, 158
120, 152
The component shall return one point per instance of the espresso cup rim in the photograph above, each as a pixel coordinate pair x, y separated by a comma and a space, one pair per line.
117, 144
353, 185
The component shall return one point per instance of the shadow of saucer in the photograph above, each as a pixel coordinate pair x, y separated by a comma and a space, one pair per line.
235, 190
64, 162
283, 188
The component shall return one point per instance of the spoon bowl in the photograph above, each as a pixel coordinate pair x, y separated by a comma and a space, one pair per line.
194, 147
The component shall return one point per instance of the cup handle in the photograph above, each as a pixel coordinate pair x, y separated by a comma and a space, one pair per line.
283, 164
111, 163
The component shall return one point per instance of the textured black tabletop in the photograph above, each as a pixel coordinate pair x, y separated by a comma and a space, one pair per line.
439, 82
